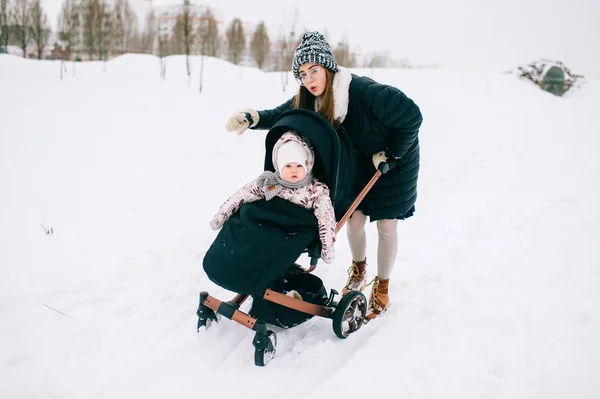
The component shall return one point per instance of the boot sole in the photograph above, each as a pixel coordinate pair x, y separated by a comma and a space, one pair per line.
374, 315
361, 289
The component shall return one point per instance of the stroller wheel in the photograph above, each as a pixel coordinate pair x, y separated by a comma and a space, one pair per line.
264, 356
204, 313
349, 314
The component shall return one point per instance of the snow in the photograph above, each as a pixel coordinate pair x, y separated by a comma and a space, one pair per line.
494, 295
14, 50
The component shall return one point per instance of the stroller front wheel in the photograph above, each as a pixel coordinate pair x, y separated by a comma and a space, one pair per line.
349, 314
264, 353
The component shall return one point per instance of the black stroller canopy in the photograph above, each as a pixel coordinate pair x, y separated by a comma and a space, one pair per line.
334, 156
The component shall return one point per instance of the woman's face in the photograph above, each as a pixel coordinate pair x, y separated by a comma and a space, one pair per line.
293, 172
313, 77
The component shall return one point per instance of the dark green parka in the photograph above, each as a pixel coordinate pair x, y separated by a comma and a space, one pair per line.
376, 117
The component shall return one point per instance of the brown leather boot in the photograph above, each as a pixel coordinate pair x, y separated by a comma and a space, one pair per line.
357, 277
379, 301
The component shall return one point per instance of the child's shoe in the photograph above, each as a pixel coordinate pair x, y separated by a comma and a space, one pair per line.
294, 294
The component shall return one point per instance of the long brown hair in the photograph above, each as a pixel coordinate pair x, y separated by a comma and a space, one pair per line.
306, 100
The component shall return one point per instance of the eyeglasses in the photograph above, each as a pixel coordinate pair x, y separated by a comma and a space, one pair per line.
312, 74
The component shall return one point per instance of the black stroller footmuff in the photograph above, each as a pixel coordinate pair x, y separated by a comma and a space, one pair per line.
259, 243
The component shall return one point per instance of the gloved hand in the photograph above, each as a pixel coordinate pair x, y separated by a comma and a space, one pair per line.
240, 121
384, 156
217, 221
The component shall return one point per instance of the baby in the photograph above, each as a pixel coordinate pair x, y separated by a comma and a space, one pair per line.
293, 160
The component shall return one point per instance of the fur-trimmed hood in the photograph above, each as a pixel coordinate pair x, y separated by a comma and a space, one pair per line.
292, 136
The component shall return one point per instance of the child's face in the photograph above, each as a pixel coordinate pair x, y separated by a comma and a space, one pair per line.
293, 172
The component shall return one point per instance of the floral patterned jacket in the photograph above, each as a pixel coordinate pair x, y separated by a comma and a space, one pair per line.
313, 196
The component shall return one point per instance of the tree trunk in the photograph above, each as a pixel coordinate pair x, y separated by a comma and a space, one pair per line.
283, 80
201, 71
189, 72
163, 68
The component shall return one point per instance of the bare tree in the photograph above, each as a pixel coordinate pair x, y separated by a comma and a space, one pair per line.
118, 25
90, 9
377, 61
288, 41
281, 57
40, 28
163, 51
150, 34
260, 45
136, 41
22, 19
104, 26
342, 54
69, 24
176, 38
5, 21
187, 35
236, 41
124, 26
97, 25
208, 34
69, 31
292, 41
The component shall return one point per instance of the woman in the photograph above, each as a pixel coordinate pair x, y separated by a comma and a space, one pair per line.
383, 124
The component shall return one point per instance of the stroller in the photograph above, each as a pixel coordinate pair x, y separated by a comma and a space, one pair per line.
256, 250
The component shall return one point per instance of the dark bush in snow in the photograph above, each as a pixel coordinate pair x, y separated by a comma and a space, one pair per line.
551, 76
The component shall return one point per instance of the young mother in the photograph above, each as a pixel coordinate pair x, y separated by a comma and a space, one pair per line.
383, 124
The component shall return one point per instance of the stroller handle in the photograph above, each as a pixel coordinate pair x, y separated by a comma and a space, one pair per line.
383, 168
362, 195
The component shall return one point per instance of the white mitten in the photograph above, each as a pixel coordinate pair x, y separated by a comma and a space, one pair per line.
383, 156
379, 158
217, 222
240, 121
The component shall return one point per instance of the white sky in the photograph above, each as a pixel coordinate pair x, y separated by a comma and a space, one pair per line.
458, 32
495, 290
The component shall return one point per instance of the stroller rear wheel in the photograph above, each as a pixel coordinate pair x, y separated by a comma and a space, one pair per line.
349, 314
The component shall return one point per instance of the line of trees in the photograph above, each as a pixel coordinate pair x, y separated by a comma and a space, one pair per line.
101, 29
23, 22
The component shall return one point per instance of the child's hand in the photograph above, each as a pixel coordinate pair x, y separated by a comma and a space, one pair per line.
328, 254
217, 222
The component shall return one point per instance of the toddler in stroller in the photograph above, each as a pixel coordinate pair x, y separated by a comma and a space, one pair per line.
269, 223
293, 160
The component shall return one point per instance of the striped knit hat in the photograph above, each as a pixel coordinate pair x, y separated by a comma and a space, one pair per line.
313, 48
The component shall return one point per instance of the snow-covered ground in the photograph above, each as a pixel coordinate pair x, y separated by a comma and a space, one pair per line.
495, 293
